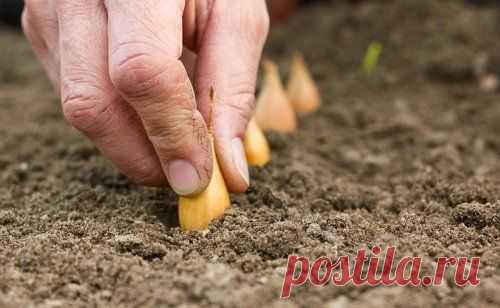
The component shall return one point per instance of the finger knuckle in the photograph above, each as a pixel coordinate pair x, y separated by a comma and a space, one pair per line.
135, 70
86, 112
241, 105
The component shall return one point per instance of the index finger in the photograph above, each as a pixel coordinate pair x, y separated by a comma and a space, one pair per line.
145, 44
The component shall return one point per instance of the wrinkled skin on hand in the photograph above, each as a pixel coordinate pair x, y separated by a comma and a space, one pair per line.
123, 80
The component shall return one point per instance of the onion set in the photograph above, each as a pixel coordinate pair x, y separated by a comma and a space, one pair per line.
302, 91
275, 111
196, 212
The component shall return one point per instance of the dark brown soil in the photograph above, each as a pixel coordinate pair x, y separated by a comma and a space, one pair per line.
409, 156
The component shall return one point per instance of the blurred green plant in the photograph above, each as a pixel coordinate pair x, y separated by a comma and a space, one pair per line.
371, 58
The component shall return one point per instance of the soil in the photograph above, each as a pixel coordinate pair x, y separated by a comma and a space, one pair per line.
408, 156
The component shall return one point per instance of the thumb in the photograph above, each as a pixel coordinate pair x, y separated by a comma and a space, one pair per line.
228, 58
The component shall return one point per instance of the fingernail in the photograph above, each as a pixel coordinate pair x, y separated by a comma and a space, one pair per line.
240, 160
183, 177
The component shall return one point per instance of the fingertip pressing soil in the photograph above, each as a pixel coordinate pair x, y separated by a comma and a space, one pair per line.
408, 156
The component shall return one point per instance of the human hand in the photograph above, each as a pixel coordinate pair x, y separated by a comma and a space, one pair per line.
117, 67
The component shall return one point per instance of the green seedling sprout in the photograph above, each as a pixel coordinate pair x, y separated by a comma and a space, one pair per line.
371, 58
